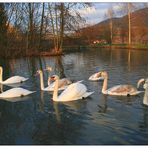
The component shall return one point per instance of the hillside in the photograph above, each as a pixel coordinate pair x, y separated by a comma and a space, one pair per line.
139, 25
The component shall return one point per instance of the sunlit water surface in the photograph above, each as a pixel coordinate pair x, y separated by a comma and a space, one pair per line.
96, 120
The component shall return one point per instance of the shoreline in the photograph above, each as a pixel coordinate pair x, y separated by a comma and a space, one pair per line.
72, 49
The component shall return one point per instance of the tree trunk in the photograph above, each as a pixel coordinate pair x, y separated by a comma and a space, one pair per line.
31, 24
129, 23
53, 28
111, 31
110, 13
3, 26
41, 26
61, 26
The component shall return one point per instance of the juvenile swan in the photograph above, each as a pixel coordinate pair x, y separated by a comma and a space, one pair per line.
63, 83
118, 90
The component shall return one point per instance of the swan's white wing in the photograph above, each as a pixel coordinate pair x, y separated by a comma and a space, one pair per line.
15, 92
14, 79
87, 94
74, 91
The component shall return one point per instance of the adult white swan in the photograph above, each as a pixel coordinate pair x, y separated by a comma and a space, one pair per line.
74, 91
15, 92
95, 77
118, 90
11, 80
63, 83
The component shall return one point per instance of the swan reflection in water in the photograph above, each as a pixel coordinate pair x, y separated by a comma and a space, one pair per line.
143, 125
41, 102
72, 108
103, 104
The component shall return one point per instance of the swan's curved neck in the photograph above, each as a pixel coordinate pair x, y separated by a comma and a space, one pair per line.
1, 74
104, 88
145, 99
55, 93
49, 79
41, 81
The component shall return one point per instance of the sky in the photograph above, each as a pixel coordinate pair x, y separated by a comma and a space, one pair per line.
94, 14
97, 12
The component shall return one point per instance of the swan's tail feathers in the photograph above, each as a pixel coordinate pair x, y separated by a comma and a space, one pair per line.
138, 92
80, 81
32, 92
25, 79
87, 94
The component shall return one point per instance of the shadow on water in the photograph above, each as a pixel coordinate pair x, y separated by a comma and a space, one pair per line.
143, 125
102, 106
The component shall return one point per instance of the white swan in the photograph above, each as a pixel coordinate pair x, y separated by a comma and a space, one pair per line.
74, 91
95, 77
63, 83
145, 86
11, 80
15, 92
118, 90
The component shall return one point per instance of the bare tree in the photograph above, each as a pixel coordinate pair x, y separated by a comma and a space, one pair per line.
110, 15
3, 27
41, 26
129, 23
64, 18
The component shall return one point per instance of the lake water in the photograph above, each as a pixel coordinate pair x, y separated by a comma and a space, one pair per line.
96, 120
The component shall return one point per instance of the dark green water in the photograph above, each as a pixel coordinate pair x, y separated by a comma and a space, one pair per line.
97, 120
